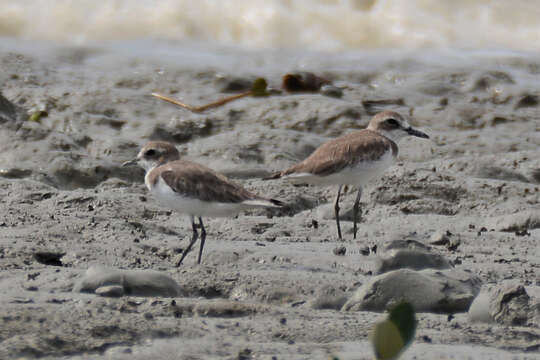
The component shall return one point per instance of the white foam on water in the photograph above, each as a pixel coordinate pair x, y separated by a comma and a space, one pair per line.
313, 24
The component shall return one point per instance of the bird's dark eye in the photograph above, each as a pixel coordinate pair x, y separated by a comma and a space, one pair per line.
150, 152
392, 122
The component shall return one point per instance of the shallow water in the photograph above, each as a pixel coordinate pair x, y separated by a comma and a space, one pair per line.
320, 24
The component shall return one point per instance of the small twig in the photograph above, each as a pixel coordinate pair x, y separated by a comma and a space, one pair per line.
258, 89
199, 109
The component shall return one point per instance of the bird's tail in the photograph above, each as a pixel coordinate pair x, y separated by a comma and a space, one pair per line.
264, 202
273, 176
277, 202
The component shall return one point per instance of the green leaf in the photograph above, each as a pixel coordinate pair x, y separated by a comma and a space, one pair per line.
392, 336
402, 315
386, 340
37, 115
259, 87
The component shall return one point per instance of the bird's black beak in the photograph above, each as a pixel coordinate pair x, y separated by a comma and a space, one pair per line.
130, 162
414, 132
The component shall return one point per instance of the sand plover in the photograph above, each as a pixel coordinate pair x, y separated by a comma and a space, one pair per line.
353, 159
193, 189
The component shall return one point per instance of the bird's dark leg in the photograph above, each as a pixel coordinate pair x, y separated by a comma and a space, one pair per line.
203, 237
193, 240
355, 210
336, 209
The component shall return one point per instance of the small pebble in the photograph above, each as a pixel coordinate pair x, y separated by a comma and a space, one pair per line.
332, 91
439, 238
110, 291
340, 250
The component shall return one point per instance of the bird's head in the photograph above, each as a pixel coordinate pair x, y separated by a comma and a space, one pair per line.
394, 126
153, 154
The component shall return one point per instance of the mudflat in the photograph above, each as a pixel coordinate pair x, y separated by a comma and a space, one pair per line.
272, 283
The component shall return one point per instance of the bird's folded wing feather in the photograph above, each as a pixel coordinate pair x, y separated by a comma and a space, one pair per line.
198, 182
342, 152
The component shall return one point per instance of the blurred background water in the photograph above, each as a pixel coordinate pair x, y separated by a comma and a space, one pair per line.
320, 25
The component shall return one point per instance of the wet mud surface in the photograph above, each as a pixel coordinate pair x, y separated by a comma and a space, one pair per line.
271, 283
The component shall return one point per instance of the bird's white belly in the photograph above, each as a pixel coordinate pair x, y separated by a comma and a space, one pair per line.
359, 174
172, 200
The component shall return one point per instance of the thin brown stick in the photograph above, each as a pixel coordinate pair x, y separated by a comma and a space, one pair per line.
199, 109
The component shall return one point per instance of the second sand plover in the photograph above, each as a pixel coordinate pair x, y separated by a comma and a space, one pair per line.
353, 159
193, 189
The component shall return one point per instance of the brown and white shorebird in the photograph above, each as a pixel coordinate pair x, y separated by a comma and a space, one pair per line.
193, 189
354, 158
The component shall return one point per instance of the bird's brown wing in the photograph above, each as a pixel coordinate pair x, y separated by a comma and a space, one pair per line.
347, 150
199, 182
